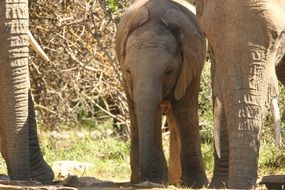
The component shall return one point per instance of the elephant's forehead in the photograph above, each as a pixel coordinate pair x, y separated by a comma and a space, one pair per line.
147, 55
155, 39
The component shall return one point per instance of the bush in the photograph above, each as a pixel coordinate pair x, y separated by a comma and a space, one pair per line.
206, 104
82, 81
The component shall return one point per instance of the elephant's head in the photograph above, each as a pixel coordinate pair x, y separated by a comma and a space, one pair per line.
159, 55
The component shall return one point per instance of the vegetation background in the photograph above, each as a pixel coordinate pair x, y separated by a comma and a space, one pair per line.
80, 104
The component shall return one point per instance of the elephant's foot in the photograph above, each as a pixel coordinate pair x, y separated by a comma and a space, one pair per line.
242, 182
135, 178
149, 184
173, 176
219, 182
158, 172
194, 180
158, 176
42, 173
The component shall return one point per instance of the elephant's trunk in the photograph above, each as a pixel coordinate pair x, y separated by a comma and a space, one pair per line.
245, 110
244, 124
146, 104
146, 141
14, 85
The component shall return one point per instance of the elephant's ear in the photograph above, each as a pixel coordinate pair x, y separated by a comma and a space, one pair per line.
193, 45
135, 16
200, 8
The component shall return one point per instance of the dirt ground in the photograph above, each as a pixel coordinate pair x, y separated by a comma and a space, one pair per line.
71, 183
74, 183
91, 183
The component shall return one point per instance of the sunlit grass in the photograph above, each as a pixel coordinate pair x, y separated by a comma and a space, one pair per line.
109, 154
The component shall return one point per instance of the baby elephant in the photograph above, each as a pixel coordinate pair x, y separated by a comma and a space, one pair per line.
161, 52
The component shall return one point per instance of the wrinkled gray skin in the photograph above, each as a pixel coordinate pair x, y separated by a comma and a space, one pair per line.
161, 53
19, 141
280, 71
247, 40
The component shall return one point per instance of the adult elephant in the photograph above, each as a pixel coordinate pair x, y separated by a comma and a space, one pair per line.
161, 53
18, 133
247, 42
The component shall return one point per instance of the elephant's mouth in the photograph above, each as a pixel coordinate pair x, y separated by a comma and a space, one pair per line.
165, 107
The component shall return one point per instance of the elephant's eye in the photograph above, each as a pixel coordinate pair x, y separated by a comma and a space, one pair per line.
128, 71
168, 72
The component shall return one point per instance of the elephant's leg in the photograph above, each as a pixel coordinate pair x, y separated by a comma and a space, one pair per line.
185, 113
134, 151
221, 165
280, 71
134, 155
40, 170
174, 169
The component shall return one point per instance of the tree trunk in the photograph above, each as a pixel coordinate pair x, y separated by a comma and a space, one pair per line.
14, 85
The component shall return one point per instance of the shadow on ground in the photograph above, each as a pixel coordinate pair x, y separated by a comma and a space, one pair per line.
91, 183
70, 183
